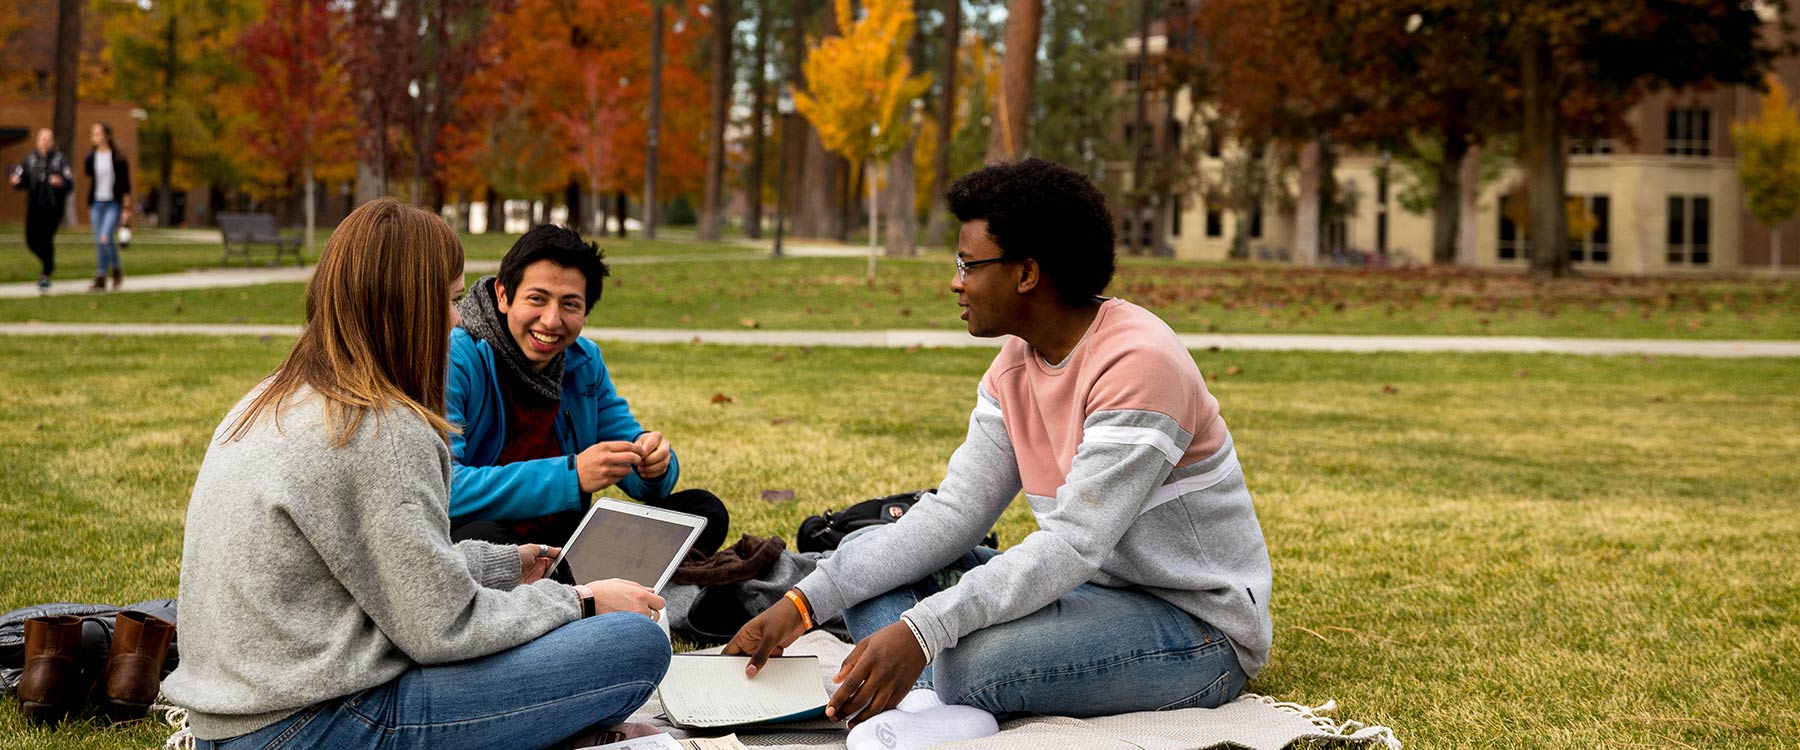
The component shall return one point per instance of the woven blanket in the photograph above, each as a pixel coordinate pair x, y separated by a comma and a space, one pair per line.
1252, 721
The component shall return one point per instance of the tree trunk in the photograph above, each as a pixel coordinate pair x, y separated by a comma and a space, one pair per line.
1544, 161
712, 202
655, 116
1306, 209
1448, 202
619, 209
165, 191
312, 209
1468, 192
868, 175
1018, 73
821, 200
68, 73
903, 223
495, 207
938, 223
759, 112
1774, 250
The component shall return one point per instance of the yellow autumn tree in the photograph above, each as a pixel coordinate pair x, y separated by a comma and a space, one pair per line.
1769, 165
860, 89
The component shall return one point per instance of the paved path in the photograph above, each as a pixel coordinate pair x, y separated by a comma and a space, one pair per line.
219, 278
960, 339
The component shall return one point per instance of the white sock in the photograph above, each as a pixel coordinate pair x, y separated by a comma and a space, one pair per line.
920, 699
902, 730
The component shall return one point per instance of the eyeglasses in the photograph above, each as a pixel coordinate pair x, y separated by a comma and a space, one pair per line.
963, 266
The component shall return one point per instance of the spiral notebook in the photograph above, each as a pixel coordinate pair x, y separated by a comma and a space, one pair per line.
710, 691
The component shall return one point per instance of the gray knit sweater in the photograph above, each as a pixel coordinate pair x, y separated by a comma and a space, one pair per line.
310, 572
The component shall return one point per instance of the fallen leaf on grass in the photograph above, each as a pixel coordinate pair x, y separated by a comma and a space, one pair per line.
1389, 389
749, 323
1518, 373
779, 356
720, 398
776, 496
779, 421
1234, 370
695, 341
912, 349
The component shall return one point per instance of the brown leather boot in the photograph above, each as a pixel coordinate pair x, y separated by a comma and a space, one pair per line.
99, 283
118, 278
48, 688
140, 642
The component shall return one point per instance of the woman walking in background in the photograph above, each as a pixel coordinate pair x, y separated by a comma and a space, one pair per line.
109, 204
322, 601
46, 178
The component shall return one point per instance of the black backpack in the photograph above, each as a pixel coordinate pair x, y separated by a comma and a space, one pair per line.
824, 532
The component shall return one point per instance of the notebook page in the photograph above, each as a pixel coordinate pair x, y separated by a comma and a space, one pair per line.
712, 691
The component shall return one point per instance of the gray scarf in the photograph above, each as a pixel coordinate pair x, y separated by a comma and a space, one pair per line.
481, 318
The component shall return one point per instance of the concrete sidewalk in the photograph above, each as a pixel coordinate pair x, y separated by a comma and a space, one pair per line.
222, 278
900, 339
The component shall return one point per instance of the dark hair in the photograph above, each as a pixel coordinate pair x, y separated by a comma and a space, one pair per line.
1047, 212
107, 129
559, 245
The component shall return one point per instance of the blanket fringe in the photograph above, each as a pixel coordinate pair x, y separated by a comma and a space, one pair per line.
1347, 729
177, 718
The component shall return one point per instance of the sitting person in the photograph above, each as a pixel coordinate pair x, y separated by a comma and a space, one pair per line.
322, 601
542, 427
1146, 585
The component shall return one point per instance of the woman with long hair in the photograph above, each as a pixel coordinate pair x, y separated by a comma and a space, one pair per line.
322, 601
109, 204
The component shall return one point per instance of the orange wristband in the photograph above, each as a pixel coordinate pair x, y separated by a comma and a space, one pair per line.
799, 601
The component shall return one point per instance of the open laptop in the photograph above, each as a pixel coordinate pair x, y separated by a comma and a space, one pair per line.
626, 540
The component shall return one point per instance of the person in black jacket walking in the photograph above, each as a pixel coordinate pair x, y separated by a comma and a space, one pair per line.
47, 179
109, 204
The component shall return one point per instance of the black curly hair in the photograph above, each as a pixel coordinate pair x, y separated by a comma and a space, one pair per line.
1047, 212
562, 246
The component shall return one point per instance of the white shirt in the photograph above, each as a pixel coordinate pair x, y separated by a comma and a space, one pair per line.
103, 176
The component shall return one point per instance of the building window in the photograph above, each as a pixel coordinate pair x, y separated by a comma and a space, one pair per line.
1131, 71
1596, 245
1690, 132
1579, 146
1690, 230
1173, 144
1215, 222
1513, 245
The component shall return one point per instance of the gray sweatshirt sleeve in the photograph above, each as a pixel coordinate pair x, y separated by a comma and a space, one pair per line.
496, 566
1108, 485
983, 477
391, 550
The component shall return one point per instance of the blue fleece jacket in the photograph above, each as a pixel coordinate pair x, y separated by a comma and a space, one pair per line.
591, 412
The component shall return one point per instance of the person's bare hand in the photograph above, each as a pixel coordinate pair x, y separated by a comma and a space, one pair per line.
655, 450
765, 635
602, 465
876, 675
535, 561
620, 595
55, 180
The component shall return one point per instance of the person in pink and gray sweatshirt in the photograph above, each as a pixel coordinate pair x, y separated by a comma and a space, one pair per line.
1147, 584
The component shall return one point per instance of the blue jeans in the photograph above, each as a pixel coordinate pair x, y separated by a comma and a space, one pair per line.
591, 672
103, 216
1094, 651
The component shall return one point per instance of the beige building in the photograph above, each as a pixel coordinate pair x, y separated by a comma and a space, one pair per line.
1666, 200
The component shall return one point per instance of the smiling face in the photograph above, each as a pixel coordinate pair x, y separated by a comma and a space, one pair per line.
546, 313
988, 293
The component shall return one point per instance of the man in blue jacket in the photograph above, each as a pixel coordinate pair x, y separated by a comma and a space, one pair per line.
542, 427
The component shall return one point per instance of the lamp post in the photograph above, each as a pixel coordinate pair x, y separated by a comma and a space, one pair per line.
784, 104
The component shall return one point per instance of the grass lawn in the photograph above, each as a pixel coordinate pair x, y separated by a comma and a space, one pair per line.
160, 251
826, 293
1479, 550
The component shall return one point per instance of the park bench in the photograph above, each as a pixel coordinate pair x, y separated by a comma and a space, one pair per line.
241, 230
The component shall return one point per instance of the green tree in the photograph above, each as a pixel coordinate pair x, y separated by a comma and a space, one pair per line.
1077, 100
860, 88
1769, 164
